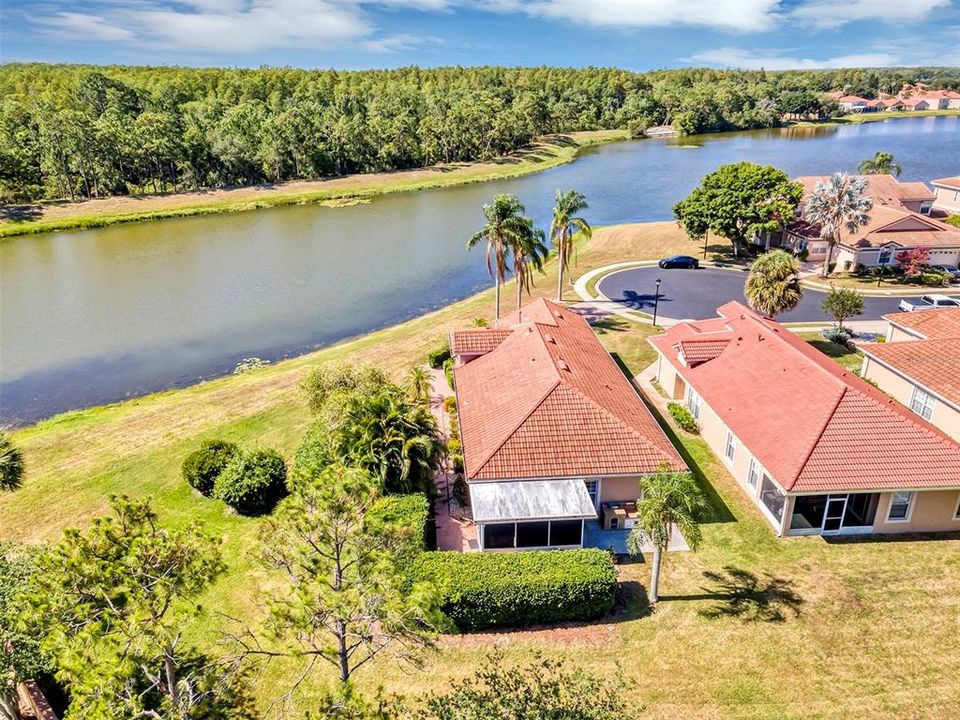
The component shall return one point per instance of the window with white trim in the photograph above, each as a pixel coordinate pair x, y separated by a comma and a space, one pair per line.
900, 503
753, 476
922, 403
730, 449
693, 403
956, 513
592, 490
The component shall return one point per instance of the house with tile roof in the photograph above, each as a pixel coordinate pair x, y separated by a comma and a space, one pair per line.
551, 428
815, 447
898, 221
919, 365
946, 195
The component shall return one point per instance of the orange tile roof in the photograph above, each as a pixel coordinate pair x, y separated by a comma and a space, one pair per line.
811, 423
935, 364
882, 188
929, 324
695, 351
549, 401
950, 182
476, 341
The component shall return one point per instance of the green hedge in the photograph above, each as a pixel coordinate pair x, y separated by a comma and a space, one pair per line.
438, 356
487, 590
411, 510
684, 417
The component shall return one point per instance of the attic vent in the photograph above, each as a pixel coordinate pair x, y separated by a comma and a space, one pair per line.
549, 338
760, 338
562, 364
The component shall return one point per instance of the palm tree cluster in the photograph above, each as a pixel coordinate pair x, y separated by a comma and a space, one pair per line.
840, 202
509, 233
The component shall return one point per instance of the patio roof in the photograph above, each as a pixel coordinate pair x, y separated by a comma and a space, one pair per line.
530, 500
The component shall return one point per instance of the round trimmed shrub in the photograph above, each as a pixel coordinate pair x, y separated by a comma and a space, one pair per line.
838, 336
252, 483
202, 467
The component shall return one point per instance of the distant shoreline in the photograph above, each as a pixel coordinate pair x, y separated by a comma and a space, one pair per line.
546, 153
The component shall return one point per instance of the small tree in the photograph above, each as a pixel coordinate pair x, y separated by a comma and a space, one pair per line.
110, 606
346, 600
913, 261
669, 500
842, 303
20, 655
772, 287
419, 384
11, 463
739, 201
253, 482
543, 689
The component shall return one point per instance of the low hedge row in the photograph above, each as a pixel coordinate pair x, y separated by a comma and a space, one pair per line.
489, 590
411, 510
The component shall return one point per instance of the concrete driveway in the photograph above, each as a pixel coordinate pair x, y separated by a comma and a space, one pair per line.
696, 294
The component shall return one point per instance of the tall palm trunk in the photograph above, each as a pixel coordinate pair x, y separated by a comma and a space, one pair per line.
496, 286
655, 574
825, 268
561, 257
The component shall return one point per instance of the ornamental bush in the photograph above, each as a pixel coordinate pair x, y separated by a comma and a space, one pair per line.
839, 336
448, 371
437, 356
252, 483
684, 417
488, 590
202, 467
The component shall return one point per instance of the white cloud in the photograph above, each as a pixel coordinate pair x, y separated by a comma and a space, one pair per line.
772, 60
827, 14
729, 15
233, 26
90, 27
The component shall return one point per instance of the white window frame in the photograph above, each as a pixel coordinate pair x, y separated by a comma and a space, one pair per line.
911, 501
922, 402
754, 473
956, 512
730, 448
694, 402
595, 495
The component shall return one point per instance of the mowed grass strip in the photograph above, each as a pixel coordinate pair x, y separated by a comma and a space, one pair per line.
876, 631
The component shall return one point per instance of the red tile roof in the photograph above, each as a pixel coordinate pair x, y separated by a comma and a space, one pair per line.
477, 341
934, 364
884, 189
812, 424
695, 351
929, 324
549, 401
950, 182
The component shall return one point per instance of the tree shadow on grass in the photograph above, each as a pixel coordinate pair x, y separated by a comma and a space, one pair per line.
741, 594
21, 213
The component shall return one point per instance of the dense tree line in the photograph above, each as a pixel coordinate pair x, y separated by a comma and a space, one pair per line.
73, 131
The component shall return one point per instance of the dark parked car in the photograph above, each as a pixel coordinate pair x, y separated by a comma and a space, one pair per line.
679, 261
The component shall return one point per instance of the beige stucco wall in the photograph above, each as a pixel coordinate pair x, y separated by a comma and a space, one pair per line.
932, 511
944, 416
895, 334
619, 488
946, 199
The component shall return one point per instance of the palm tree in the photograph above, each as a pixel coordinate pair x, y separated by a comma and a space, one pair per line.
880, 164
505, 225
564, 225
670, 500
419, 384
840, 202
529, 253
11, 463
772, 287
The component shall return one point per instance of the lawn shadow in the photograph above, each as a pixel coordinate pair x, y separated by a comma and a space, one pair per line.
890, 538
632, 602
21, 213
741, 594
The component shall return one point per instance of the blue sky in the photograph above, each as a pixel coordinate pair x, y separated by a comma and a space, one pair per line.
633, 34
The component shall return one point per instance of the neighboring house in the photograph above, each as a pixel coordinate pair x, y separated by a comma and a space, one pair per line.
919, 365
898, 221
853, 103
917, 102
551, 428
816, 448
946, 193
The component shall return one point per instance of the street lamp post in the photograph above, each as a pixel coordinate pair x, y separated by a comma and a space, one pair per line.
656, 302
880, 274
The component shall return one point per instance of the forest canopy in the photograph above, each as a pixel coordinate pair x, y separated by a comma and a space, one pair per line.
75, 131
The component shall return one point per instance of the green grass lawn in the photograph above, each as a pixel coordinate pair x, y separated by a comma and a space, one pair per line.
750, 627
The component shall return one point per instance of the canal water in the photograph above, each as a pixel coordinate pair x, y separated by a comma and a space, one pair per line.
89, 317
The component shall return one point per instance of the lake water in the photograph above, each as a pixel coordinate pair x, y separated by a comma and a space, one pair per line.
89, 317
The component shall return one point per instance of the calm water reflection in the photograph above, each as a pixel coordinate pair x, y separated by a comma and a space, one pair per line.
96, 316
